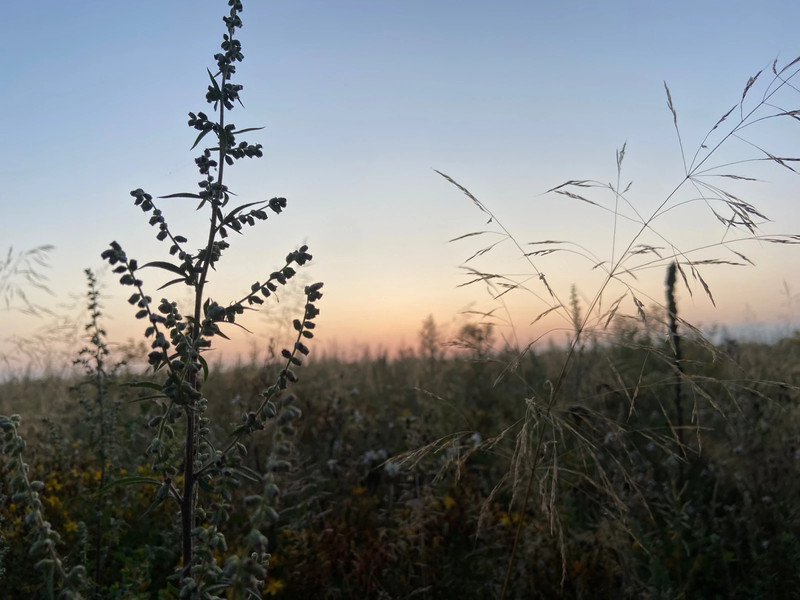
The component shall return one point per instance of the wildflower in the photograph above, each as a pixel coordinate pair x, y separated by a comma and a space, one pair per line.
274, 587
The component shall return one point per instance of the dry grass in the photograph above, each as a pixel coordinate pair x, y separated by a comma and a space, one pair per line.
545, 435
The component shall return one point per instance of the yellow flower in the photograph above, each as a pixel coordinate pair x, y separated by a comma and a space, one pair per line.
358, 490
52, 501
449, 502
274, 587
70, 527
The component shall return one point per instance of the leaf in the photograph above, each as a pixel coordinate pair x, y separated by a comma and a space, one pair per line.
135, 480
213, 81
248, 129
182, 195
172, 282
200, 136
150, 508
204, 364
160, 264
238, 209
248, 474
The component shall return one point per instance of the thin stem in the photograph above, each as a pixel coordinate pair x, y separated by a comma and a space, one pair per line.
189, 493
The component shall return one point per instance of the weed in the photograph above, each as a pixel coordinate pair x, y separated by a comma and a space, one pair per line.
190, 466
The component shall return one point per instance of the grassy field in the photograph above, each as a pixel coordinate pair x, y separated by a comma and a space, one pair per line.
401, 479
638, 461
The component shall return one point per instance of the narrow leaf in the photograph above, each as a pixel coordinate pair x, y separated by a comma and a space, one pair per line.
172, 282
125, 481
159, 264
200, 136
248, 129
182, 195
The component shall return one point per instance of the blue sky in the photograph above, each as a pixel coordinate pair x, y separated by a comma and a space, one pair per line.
361, 101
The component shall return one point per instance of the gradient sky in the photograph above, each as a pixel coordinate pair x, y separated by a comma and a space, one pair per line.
361, 101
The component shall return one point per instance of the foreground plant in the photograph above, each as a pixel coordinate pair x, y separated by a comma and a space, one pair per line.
561, 436
196, 472
69, 582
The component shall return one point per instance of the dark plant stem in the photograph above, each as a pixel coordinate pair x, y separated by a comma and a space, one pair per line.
189, 475
675, 342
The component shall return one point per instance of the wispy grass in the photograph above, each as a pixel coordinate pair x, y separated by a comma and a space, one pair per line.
546, 435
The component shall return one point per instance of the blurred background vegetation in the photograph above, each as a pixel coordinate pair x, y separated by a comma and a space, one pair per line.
399, 486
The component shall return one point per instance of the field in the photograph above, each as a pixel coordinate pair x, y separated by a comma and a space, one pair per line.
636, 460
618, 507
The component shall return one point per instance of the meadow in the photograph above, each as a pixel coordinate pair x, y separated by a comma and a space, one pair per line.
638, 459
624, 511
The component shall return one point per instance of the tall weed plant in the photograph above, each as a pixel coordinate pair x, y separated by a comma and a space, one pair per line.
563, 438
192, 468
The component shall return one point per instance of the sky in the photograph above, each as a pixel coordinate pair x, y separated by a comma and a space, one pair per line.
362, 101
